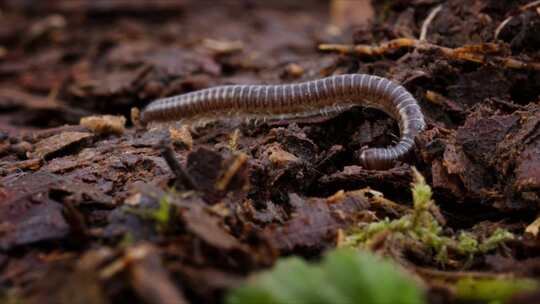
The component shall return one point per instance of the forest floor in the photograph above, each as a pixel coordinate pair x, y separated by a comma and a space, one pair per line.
96, 212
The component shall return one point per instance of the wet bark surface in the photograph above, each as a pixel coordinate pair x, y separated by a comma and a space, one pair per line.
82, 211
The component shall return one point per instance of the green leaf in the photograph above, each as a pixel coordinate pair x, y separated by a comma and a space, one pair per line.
343, 277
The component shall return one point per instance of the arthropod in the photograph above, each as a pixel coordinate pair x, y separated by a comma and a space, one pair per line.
311, 98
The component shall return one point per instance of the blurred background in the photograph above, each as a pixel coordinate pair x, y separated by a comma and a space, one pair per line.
61, 60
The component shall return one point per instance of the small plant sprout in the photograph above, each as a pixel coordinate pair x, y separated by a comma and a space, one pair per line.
161, 215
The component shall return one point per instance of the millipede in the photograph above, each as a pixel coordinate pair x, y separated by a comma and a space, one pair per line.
324, 96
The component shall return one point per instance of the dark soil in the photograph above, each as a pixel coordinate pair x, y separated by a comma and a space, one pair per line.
76, 224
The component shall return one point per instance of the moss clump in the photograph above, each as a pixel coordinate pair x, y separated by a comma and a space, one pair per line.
421, 225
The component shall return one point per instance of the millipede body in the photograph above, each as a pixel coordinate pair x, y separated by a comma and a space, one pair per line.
312, 98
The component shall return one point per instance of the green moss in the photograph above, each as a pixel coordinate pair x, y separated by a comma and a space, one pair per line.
160, 215
421, 225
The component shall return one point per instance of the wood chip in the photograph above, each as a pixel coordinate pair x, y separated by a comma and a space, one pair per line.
106, 124
48, 146
279, 157
181, 136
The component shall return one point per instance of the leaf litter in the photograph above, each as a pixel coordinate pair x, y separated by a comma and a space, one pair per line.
101, 207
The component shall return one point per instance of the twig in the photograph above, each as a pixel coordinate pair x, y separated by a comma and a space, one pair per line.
368, 50
505, 21
427, 22
501, 26
456, 275
473, 53
510, 105
530, 5
168, 154
226, 178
